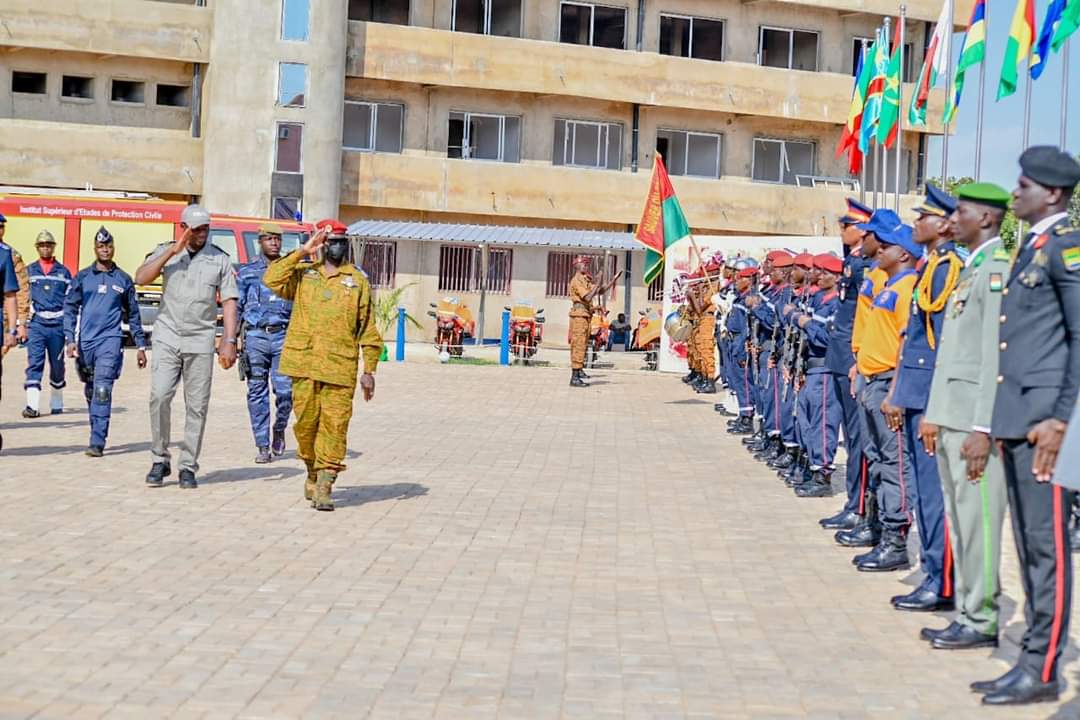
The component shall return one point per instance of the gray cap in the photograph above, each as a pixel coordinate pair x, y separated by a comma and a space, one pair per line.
195, 216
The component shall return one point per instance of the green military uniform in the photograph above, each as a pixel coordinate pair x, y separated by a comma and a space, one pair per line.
962, 400
332, 324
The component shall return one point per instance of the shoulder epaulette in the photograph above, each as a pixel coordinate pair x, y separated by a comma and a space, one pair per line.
218, 249
1064, 230
1001, 253
361, 271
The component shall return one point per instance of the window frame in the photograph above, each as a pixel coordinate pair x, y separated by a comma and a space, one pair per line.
592, 21
78, 99
466, 276
307, 23
125, 103
466, 135
373, 132
280, 74
273, 205
791, 46
690, 49
783, 158
908, 71
605, 127
719, 137
564, 259
45, 77
388, 265
486, 5
277, 139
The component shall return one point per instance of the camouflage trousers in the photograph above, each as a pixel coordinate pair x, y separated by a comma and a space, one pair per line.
693, 361
705, 344
322, 413
579, 339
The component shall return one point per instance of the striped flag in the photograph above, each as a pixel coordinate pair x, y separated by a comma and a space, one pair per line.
1070, 21
1040, 54
972, 53
849, 138
934, 65
1017, 47
662, 221
879, 66
890, 96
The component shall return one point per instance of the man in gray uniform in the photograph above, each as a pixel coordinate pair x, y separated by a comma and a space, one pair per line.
196, 275
956, 427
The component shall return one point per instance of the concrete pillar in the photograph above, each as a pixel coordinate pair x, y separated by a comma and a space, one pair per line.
240, 111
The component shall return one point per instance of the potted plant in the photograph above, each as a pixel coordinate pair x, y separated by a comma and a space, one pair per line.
386, 313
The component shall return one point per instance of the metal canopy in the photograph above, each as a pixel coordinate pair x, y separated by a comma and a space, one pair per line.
493, 235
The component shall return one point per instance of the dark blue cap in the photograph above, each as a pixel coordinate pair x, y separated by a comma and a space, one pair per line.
937, 202
856, 213
890, 230
2, 218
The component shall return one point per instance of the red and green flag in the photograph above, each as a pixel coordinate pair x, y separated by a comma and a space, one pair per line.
849, 138
1067, 25
934, 66
662, 221
1017, 47
890, 95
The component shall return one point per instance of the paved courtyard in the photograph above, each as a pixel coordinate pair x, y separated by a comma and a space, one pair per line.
503, 546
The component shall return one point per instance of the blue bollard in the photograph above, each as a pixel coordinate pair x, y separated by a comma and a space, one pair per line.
504, 340
399, 348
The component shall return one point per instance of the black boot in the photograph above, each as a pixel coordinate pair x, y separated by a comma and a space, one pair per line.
722, 409
868, 532
786, 460
583, 375
691, 378
890, 554
743, 426
843, 520
754, 438
576, 381
762, 445
706, 387
819, 486
772, 449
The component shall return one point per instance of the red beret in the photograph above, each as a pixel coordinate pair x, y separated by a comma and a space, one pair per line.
805, 260
828, 262
333, 228
783, 260
748, 272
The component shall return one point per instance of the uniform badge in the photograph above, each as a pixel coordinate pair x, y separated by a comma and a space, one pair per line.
1001, 253
46, 287
1040, 241
978, 259
1071, 258
102, 289
1041, 258
996, 282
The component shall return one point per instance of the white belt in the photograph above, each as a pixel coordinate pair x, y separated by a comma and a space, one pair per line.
49, 314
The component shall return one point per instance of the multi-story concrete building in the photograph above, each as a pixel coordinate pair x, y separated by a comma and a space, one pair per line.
447, 114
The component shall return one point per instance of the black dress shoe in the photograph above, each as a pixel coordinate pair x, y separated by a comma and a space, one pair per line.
989, 686
158, 473
187, 480
962, 637
1022, 690
820, 485
892, 556
928, 634
843, 520
706, 387
862, 535
722, 409
922, 600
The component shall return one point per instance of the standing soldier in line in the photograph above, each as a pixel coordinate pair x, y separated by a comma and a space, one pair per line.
704, 337
738, 329
332, 329
690, 312
1038, 377
264, 317
100, 295
802, 296
582, 293
766, 308
49, 283
938, 270
9, 285
196, 273
956, 426
724, 300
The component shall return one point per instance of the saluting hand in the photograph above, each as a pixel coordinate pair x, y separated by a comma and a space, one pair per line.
315, 242
1046, 437
976, 451
182, 244
367, 385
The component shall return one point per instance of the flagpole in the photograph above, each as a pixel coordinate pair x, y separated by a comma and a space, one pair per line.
1027, 103
882, 156
899, 107
982, 98
1064, 94
862, 164
948, 95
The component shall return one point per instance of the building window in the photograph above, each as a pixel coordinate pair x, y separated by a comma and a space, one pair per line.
460, 269
289, 240
286, 208
782, 161
857, 48
379, 262
294, 19
656, 289
128, 91
581, 143
384, 11
292, 84
373, 126
290, 148
560, 269
690, 153
588, 24
691, 37
173, 95
484, 137
28, 83
74, 87
791, 49
488, 17
225, 240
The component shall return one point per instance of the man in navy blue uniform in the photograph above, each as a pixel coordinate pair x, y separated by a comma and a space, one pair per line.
100, 297
939, 269
839, 359
766, 309
9, 285
49, 283
738, 329
265, 317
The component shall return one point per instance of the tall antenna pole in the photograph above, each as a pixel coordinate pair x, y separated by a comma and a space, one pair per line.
948, 94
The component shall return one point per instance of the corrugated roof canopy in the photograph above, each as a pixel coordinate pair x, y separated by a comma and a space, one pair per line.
494, 235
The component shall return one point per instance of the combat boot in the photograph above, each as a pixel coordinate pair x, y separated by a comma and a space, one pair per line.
786, 459
755, 436
323, 487
309, 483
819, 486
867, 533
706, 387
576, 379
691, 378
890, 554
743, 426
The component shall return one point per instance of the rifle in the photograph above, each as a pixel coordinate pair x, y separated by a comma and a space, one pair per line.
243, 362
798, 378
752, 348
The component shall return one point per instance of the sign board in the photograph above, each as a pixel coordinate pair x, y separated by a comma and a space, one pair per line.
680, 261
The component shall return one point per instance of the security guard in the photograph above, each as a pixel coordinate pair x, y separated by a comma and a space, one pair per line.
1038, 376
583, 290
49, 284
938, 271
264, 318
331, 330
101, 294
196, 274
956, 426
9, 286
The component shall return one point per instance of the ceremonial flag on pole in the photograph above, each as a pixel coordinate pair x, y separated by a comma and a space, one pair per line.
890, 95
849, 139
1070, 21
972, 52
1018, 46
1040, 54
934, 65
662, 221
879, 62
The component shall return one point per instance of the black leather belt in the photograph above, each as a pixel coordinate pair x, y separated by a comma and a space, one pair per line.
887, 375
273, 328
814, 363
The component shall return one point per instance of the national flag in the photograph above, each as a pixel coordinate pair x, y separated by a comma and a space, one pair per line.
890, 95
972, 53
1017, 47
879, 62
934, 65
662, 221
849, 139
1040, 54
1070, 21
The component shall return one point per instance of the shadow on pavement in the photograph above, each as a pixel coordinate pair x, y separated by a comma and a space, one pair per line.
270, 472
363, 494
688, 402
76, 449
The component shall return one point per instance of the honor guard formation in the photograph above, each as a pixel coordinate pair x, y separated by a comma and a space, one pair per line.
947, 364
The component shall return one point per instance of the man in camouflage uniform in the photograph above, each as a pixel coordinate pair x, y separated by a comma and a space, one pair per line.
703, 340
582, 292
332, 325
22, 295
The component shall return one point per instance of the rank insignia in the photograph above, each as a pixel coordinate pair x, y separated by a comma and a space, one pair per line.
1001, 253
1039, 241
978, 260
1041, 258
1071, 258
996, 282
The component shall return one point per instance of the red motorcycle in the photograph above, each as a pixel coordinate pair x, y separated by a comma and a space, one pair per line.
526, 330
453, 323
